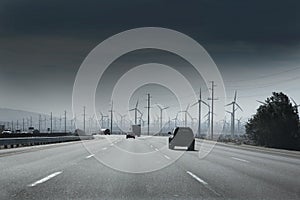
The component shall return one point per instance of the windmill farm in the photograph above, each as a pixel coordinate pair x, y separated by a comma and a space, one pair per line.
159, 121
154, 118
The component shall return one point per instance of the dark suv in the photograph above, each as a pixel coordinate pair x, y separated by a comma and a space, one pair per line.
182, 137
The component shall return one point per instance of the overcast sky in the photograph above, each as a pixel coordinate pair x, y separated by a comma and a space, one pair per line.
255, 44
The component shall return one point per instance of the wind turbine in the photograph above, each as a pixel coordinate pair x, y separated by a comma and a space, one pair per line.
135, 109
122, 118
186, 114
239, 125
140, 117
102, 119
161, 112
199, 112
175, 120
208, 113
296, 105
233, 103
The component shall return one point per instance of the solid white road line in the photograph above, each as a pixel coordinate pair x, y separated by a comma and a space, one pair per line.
196, 177
167, 157
90, 156
104, 148
45, 179
242, 160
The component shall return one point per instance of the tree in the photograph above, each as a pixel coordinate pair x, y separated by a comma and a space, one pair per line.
275, 124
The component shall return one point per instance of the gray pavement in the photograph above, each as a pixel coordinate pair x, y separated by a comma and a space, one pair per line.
115, 168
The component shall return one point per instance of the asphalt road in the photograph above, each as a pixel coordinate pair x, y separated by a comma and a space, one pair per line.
115, 168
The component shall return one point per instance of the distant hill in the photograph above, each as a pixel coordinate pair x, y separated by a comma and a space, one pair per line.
8, 115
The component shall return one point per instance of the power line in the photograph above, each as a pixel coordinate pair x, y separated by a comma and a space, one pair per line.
265, 76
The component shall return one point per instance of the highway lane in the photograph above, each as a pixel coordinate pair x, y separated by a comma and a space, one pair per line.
104, 169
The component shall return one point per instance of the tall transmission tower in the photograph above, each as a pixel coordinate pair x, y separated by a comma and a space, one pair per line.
148, 109
84, 119
212, 108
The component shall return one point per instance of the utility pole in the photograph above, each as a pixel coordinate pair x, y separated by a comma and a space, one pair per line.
199, 114
84, 119
55, 124
148, 108
65, 121
212, 108
40, 123
23, 125
45, 123
111, 116
51, 122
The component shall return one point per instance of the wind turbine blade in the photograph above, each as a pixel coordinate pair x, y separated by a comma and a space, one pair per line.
205, 103
261, 102
132, 109
189, 115
166, 107
187, 108
229, 104
294, 101
139, 111
194, 104
235, 96
137, 103
159, 107
238, 106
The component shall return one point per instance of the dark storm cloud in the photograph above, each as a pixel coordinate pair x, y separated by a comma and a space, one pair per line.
43, 43
258, 22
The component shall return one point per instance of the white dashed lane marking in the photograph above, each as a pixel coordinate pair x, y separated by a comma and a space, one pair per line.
45, 179
197, 178
167, 157
104, 148
242, 160
90, 156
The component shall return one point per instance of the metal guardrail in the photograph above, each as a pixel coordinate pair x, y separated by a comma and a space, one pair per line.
29, 141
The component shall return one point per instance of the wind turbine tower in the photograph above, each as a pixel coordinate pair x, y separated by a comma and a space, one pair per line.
234, 105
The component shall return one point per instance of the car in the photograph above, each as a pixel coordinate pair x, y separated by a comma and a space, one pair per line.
129, 135
107, 132
182, 137
7, 132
